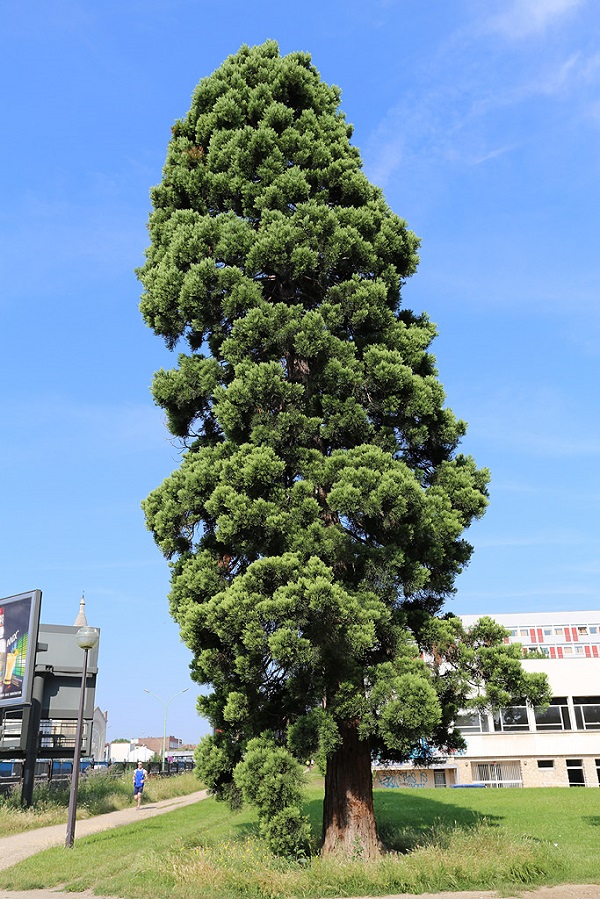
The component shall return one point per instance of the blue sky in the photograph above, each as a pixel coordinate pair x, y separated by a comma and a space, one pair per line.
480, 119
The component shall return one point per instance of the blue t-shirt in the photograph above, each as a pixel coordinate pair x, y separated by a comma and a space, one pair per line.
138, 777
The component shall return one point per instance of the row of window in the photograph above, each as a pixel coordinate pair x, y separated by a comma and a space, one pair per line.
576, 650
583, 630
583, 714
575, 770
508, 774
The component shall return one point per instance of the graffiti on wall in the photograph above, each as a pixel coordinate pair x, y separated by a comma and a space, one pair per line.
396, 779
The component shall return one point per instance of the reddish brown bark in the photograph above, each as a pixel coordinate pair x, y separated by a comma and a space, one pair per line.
349, 826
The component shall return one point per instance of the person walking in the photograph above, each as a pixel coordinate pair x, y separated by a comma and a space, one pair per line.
139, 779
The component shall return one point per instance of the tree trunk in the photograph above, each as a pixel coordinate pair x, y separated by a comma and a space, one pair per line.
348, 816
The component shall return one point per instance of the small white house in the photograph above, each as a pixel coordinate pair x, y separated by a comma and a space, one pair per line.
129, 752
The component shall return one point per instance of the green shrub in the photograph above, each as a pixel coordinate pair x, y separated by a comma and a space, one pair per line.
271, 779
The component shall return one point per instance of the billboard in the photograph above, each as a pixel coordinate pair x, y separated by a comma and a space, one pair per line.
19, 623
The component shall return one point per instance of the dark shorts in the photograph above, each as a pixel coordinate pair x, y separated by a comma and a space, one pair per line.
137, 790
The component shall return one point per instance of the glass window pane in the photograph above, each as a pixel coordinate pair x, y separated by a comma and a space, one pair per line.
591, 713
551, 719
515, 718
468, 723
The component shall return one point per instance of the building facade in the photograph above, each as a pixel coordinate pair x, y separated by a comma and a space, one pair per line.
522, 746
156, 743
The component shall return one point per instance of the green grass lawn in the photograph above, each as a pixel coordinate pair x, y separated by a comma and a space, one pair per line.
442, 840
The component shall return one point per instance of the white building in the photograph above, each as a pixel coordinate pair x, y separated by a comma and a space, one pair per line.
129, 752
522, 746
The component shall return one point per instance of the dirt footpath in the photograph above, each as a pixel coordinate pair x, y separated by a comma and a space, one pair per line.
567, 891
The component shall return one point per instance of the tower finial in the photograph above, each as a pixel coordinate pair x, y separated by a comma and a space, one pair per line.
81, 620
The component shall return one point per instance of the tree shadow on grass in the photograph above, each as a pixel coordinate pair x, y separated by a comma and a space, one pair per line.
407, 819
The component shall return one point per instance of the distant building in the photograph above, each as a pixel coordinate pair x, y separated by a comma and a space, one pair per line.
156, 743
133, 751
558, 635
522, 746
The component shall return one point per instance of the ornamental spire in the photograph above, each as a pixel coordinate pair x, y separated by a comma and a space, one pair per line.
81, 620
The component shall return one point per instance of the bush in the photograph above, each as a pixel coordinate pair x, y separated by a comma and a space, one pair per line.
288, 833
272, 780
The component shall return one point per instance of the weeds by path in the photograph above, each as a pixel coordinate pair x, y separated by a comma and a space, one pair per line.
98, 794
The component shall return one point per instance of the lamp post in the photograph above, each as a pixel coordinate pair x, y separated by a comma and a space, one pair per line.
86, 637
166, 705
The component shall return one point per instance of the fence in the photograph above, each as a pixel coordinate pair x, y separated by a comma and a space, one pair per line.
59, 771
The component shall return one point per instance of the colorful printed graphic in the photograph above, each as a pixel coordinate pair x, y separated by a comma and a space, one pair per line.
19, 620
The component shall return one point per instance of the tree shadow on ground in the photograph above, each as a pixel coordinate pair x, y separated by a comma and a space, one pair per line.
409, 818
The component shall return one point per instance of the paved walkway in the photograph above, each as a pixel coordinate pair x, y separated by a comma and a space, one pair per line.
19, 846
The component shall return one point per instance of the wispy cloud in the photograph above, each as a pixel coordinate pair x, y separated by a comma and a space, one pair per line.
525, 18
103, 429
549, 538
471, 105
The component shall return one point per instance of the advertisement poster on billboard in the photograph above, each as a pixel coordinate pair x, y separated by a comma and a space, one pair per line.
19, 624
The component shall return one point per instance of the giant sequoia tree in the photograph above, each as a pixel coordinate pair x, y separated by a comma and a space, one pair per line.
315, 525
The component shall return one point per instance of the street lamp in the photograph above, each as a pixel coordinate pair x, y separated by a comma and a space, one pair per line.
86, 637
166, 705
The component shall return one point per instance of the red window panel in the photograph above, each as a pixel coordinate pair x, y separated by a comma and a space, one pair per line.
540, 634
552, 652
575, 634
568, 634
588, 652
532, 635
595, 651
559, 652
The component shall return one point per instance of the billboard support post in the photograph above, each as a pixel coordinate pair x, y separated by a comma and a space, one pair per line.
87, 637
32, 721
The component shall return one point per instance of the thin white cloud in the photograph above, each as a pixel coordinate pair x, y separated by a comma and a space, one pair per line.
551, 538
66, 427
527, 18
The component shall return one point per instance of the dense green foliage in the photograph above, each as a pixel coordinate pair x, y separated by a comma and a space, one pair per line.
315, 524
272, 780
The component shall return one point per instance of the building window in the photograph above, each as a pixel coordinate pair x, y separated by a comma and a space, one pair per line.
555, 717
587, 712
524, 632
499, 774
598, 770
547, 632
575, 773
472, 723
439, 778
582, 631
558, 631
545, 763
511, 719
512, 631
593, 629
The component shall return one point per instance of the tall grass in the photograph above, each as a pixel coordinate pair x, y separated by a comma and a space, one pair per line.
444, 840
98, 794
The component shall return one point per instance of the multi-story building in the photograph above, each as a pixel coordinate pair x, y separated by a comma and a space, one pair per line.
523, 746
558, 635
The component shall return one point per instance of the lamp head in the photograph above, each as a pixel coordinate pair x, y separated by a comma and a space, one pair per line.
87, 637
